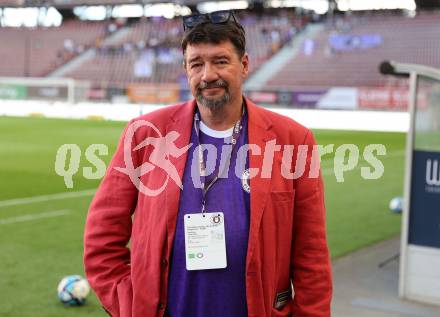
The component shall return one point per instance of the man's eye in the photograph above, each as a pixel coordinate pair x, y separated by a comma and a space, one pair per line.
196, 65
222, 62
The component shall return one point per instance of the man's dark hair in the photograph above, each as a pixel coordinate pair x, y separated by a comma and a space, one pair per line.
215, 34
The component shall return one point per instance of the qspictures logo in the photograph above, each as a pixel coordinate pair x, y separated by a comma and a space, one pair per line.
432, 176
292, 165
163, 148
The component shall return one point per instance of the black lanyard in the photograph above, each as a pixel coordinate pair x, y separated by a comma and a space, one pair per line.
220, 169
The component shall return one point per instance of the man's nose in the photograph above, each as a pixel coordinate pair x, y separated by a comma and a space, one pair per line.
209, 73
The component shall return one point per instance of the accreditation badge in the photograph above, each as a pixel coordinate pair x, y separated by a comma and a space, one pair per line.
205, 243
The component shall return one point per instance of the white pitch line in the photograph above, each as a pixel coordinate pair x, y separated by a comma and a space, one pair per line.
31, 217
37, 199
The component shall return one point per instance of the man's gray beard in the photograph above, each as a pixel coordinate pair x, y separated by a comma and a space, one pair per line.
214, 104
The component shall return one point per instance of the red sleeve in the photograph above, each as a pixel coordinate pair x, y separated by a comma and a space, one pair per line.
310, 264
107, 232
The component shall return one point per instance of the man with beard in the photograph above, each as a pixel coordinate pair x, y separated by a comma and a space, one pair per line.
238, 232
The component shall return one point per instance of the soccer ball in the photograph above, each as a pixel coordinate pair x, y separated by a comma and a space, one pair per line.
73, 290
396, 204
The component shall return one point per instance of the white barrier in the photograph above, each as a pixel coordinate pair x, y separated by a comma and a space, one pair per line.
315, 119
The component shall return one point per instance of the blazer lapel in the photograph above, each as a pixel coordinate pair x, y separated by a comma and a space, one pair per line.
182, 122
258, 133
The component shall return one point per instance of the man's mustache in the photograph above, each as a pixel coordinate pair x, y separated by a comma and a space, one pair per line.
214, 84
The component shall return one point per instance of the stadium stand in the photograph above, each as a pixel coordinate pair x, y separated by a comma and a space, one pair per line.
150, 50
138, 59
145, 55
11, 3
142, 54
348, 52
35, 52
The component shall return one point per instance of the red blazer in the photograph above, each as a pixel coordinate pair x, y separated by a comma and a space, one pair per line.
287, 239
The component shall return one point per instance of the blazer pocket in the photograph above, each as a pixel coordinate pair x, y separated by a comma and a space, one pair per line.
283, 195
125, 297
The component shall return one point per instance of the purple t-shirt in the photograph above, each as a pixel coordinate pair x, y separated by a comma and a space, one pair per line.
215, 292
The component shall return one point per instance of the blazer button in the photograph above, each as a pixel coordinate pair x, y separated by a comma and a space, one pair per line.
161, 306
164, 262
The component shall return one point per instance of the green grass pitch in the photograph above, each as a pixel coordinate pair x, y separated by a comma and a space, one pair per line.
36, 254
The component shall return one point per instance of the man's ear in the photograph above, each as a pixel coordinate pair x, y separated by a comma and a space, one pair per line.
184, 68
184, 61
245, 63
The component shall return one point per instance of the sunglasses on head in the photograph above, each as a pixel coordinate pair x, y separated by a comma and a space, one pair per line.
217, 17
